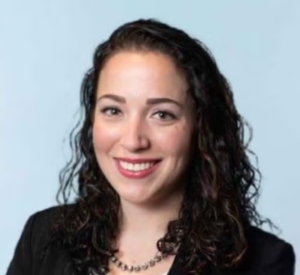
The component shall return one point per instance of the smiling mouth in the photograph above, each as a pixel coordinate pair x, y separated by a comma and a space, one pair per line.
137, 169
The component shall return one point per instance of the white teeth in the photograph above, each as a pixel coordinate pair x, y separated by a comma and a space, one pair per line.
137, 166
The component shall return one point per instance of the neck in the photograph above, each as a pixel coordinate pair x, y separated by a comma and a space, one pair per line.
148, 220
138, 218
141, 226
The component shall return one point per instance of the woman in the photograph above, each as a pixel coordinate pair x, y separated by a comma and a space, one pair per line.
163, 180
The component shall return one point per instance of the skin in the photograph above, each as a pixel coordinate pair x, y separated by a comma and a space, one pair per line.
126, 125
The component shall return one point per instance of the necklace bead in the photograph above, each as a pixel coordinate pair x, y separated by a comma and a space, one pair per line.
156, 259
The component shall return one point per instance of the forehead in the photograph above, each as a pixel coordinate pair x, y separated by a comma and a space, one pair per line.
144, 72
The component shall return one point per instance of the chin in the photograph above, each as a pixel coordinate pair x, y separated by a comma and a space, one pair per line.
135, 199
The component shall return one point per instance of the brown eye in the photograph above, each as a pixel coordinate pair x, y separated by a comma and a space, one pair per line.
163, 115
111, 111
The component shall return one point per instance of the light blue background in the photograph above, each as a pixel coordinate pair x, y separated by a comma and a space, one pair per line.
46, 46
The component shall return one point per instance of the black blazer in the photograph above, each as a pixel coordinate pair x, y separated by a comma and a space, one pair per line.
267, 254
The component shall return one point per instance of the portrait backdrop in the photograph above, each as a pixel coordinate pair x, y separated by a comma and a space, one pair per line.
46, 47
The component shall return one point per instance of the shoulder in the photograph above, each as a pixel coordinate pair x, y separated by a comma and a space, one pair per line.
35, 236
39, 227
46, 217
43, 221
268, 253
266, 242
38, 230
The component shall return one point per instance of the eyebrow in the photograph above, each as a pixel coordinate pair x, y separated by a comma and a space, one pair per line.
149, 101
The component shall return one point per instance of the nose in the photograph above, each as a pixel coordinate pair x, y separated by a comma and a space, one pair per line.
134, 137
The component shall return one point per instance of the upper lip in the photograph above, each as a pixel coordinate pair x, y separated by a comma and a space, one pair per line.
140, 160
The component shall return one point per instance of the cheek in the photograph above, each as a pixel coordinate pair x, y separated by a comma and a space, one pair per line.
104, 137
175, 140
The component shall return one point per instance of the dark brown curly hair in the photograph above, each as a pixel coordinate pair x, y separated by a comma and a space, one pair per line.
222, 187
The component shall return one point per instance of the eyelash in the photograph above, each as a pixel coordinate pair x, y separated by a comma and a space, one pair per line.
166, 113
104, 111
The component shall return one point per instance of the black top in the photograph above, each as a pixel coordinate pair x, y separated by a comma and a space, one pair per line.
267, 254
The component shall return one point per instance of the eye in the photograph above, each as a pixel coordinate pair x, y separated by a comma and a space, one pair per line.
164, 115
111, 111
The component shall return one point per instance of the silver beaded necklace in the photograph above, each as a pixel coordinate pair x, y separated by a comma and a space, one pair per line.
130, 268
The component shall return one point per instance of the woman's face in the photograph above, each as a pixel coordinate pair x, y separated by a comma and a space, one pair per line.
143, 124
